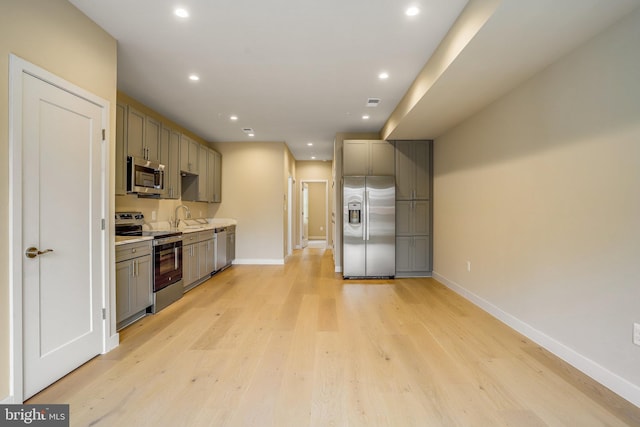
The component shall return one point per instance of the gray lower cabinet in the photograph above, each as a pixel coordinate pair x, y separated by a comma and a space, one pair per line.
197, 258
231, 244
412, 255
207, 257
190, 261
134, 291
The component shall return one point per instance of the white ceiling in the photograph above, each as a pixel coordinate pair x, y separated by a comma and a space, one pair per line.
300, 71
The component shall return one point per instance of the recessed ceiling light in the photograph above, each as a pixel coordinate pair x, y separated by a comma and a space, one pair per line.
313, 157
234, 118
182, 13
383, 75
194, 77
251, 134
309, 144
365, 117
412, 11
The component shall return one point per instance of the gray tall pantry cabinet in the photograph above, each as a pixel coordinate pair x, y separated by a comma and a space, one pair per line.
413, 208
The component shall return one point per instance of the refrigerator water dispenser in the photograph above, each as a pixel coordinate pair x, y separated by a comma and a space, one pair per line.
355, 209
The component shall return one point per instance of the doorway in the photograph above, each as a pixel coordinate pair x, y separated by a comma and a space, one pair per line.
304, 241
59, 249
290, 185
314, 225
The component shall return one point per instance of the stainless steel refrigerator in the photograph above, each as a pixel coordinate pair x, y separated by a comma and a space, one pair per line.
369, 226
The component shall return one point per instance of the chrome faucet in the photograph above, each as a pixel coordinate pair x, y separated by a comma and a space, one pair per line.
188, 213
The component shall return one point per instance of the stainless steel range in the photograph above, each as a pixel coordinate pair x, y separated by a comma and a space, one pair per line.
167, 258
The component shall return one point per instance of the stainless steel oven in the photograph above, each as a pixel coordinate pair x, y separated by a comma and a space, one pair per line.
167, 271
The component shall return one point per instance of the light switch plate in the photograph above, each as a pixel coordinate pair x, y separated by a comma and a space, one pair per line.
636, 333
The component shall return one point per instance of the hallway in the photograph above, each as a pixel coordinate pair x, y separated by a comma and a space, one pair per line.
296, 345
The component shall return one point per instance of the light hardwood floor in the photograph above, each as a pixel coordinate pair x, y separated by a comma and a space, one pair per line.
295, 345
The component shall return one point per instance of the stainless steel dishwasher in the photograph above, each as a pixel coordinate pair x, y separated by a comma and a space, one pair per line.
221, 248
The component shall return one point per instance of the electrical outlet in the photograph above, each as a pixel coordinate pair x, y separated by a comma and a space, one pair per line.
636, 333
468, 265
154, 215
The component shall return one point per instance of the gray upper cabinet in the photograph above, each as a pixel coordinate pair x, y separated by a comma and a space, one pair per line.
189, 151
413, 170
169, 157
174, 164
213, 185
367, 157
203, 174
217, 177
135, 132
205, 186
210, 175
143, 135
121, 149
152, 130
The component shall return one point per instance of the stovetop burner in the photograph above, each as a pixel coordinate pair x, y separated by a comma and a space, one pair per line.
130, 224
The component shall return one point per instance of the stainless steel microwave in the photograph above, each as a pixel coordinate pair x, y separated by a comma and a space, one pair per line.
144, 177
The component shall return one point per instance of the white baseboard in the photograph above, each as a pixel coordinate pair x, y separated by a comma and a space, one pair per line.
7, 401
112, 342
617, 384
259, 261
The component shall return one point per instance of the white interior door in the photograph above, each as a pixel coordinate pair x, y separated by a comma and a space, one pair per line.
61, 211
305, 215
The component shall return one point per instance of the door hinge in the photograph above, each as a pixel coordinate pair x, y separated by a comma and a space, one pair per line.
104, 314
102, 224
104, 133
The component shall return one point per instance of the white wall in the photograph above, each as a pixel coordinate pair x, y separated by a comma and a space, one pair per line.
56, 36
252, 193
541, 192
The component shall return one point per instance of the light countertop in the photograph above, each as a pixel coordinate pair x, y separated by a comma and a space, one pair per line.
186, 226
122, 240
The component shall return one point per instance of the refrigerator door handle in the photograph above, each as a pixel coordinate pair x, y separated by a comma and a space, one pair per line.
364, 219
367, 207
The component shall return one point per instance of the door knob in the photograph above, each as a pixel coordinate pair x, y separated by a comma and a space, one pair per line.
33, 252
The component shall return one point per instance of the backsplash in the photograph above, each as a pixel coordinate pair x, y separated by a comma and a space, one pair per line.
163, 209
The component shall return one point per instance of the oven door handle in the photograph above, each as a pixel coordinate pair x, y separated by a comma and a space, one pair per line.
175, 258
